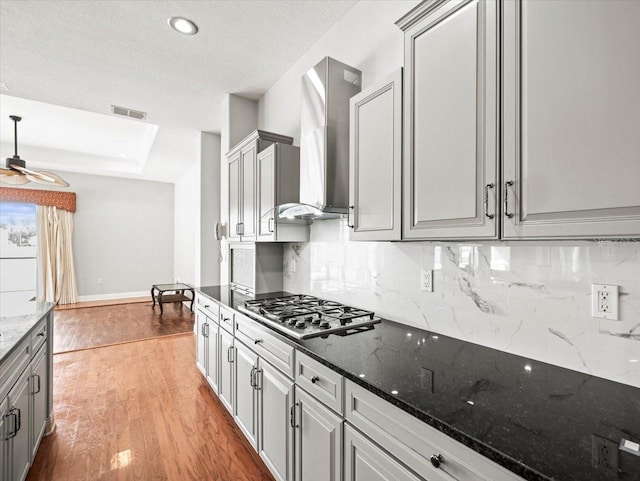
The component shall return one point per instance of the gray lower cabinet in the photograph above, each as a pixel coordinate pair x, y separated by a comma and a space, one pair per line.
375, 158
451, 103
246, 394
39, 390
318, 453
570, 119
276, 431
365, 461
207, 348
226, 369
18, 429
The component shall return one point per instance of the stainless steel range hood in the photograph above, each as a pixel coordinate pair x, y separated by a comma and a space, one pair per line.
324, 141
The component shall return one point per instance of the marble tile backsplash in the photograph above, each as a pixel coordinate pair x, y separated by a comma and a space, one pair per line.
528, 298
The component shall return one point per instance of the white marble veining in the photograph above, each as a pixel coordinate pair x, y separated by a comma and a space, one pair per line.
528, 298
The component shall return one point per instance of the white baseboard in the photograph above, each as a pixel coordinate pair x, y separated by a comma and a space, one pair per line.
117, 295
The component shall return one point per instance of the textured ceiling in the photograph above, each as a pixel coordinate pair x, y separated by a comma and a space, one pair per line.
91, 54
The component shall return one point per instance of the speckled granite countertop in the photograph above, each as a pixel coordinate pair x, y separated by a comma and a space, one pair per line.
16, 320
533, 418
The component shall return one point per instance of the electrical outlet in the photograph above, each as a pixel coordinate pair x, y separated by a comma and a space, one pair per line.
99, 280
426, 280
604, 454
604, 301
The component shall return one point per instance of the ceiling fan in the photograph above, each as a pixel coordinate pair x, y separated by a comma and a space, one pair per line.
16, 172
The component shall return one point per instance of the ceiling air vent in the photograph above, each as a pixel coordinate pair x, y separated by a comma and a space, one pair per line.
134, 114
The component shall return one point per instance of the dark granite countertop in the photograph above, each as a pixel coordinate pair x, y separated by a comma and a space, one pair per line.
17, 320
533, 418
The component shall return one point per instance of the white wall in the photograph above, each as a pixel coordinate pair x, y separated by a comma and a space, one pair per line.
123, 233
187, 215
365, 38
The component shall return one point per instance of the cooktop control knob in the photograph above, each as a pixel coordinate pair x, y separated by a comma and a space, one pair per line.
315, 321
301, 324
292, 321
324, 324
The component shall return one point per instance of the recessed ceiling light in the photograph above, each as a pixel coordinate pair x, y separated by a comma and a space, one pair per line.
3, 87
183, 25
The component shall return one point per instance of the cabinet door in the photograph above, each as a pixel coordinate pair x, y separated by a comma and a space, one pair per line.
213, 357
20, 445
225, 386
201, 351
248, 182
375, 161
266, 194
246, 396
5, 429
450, 161
39, 389
364, 461
235, 200
318, 440
275, 405
570, 119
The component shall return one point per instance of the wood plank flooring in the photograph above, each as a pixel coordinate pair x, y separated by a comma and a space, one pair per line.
141, 411
84, 328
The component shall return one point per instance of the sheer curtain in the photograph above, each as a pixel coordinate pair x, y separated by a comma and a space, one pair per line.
56, 271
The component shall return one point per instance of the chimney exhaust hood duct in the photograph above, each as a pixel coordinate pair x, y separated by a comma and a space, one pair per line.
324, 141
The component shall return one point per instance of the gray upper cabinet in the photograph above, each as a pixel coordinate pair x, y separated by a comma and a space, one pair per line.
234, 197
571, 166
450, 120
278, 183
242, 183
375, 161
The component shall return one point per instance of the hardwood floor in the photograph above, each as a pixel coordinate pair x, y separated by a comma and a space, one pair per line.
141, 411
99, 326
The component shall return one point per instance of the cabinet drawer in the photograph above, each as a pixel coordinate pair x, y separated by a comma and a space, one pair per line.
320, 381
226, 319
414, 442
39, 336
14, 365
209, 307
277, 352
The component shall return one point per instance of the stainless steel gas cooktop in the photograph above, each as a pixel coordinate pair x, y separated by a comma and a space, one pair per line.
304, 316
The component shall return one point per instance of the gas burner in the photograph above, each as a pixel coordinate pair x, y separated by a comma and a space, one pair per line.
305, 316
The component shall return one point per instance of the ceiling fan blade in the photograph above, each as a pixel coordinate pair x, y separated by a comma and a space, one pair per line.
24, 170
11, 177
43, 178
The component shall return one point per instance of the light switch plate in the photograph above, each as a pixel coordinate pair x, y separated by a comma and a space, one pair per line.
604, 301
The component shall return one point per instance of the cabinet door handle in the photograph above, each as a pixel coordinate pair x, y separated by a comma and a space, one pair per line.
230, 354
436, 460
292, 416
38, 376
19, 420
240, 228
349, 210
315, 379
202, 330
270, 224
486, 200
507, 184
258, 341
13, 433
258, 379
252, 377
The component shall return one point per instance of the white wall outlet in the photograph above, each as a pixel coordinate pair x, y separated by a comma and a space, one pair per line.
604, 301
426, 280
99, 280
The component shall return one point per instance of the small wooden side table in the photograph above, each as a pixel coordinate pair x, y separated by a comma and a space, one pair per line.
178, 295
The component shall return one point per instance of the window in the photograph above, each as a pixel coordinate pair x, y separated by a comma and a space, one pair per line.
18, 250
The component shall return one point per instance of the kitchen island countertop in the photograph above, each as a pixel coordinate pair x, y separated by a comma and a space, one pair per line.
535, 419
17, 320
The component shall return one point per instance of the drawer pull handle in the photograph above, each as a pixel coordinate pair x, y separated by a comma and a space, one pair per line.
207, 306
41, 334
315, 379
436, 460
258, 341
